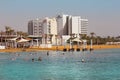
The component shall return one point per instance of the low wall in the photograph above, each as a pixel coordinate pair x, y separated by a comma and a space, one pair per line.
2, 47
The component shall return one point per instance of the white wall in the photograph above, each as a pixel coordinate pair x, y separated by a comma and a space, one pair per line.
53, 27
61, 23
76, 25
2, 47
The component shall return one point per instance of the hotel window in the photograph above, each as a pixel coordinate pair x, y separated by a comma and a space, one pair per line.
40, 24
35, 29
35, 24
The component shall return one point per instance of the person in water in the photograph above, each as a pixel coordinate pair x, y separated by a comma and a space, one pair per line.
13, 59
39, 59
32, 59
47, 53
83, 60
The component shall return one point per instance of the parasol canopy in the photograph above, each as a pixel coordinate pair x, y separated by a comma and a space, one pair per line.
77, 40
23, 40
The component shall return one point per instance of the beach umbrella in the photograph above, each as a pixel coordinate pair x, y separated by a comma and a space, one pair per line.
22, 40
77, 40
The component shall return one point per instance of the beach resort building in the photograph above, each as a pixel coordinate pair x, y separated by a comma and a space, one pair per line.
77, 25
68, 24
84, 25
49, 30
62, 24
43, 29
35, 27
74, 25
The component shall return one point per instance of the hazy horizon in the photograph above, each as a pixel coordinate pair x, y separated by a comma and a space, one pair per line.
103, 15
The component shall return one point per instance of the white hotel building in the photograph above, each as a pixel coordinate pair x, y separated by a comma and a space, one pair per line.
61, 25
71, 25
50, 28
41, 27
35, 27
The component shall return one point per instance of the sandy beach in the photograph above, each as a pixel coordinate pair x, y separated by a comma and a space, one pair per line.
95, 47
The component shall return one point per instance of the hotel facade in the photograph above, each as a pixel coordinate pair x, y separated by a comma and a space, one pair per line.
35, 27
43, 28
62, 25
49, 29
68, 24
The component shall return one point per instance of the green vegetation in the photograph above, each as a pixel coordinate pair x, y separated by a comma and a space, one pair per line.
97, 40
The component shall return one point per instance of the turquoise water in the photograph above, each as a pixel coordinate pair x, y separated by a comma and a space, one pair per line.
98, 65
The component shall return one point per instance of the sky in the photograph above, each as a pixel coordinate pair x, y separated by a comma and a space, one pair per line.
103, 15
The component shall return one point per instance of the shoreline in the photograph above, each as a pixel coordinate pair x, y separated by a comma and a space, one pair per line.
59, 48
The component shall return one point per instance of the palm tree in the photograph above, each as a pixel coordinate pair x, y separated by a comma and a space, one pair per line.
98, 39
11, 32
7, 30
83, 36
110, 39
20, 33
7, 33
24, 34
92, 34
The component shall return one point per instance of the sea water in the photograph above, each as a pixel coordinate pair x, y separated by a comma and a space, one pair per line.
58, 65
